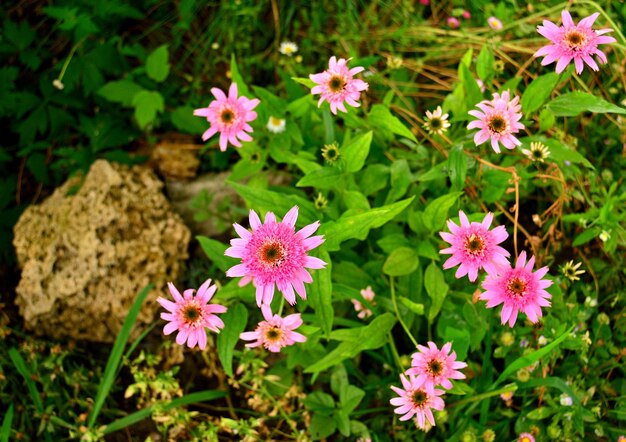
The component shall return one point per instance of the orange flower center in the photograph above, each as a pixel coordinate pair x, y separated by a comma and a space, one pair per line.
474, 245
497, 124
435, 367
191, 314
336, 83
272, 253
274, 334
419, 398
517, 286
227, 116
575, 40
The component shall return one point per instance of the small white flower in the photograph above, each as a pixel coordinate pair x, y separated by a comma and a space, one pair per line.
542, 340
494, 23
58, 84
570, 270
436, 122
276, 125
604, 236
288, 48
566, 400
538, 152
215, 46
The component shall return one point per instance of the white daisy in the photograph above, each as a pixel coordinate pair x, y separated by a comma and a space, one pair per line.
288, 48
435, 122
276, 125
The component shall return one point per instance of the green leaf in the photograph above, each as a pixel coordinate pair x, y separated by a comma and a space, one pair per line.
472, 90
401, 179
574, 103
22, 369
242, 88
484, 64
436, 212
495, 184
359, 225
381, 117
279, 203
527, 360
320, 294
350, 397
320, 402
321, 426
184, 120
147, 104
122, 91
457, 166
436, 288
235, 320
214, 250
540, 413
402, 261
305, 81
553, 382
157, 64
413, 307
356, 151
585, 237
561, 153
5, 432
138, 416
538, 91
324, 178
115, 358
354, 341
343, 422
546, 119
355, 200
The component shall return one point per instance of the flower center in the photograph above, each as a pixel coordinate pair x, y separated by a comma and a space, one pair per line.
497, 124
191, 314
435, 123
435, 367
275, 121
474, 245
419, 398
227, 116
336, 83
517, 286
272, 253
575, 40
274, 334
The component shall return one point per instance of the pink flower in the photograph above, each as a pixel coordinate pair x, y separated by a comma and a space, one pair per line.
363, 312
190, 314
466, 14
229, 116
425, 2
573, 42
274, 253
337, 86
275, 332
416, 401
435, 367
526, 437
498, 121
474, 246
453, 22
518, 289
494, 23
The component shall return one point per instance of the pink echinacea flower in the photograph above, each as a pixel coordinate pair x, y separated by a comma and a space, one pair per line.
578, 42
498, 121
416, 401
274, 253
474, 246
435, 367
229, 115
275, 332
337, 85
190, 314
518, 289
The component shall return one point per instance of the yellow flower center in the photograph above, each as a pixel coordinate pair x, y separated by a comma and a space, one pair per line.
517, 286
274, 334
575, 40
336, 83
435, 367
272, 253
474, 245
275, 121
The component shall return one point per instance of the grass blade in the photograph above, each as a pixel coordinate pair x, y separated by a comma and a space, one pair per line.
116, 355
530, 359
5, 432
133, 418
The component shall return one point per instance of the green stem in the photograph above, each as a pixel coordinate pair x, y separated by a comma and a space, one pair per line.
68, 59
395, 307
395, 353
278, 407
282, 304
489, 394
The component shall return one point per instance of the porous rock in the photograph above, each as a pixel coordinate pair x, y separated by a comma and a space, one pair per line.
89, 249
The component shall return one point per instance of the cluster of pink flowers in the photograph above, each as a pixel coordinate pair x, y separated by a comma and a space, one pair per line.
430, 367
518, 289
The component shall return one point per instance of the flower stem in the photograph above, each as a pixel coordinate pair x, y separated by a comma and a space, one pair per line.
395, 307
486, 395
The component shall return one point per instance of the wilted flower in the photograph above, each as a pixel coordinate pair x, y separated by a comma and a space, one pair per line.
229, 116
507, 338
474, 246
435, 367
337, 85
331, 152
320, 201
518, 289
58, 84
570, 270
494, 23
416, 401
453, 22
275, 332
571, 41
436, 122
489, 435
288, 48
364, 312
276, 125
394, 62
566, 400
192, 315
538, 152
275, 254
498, 121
